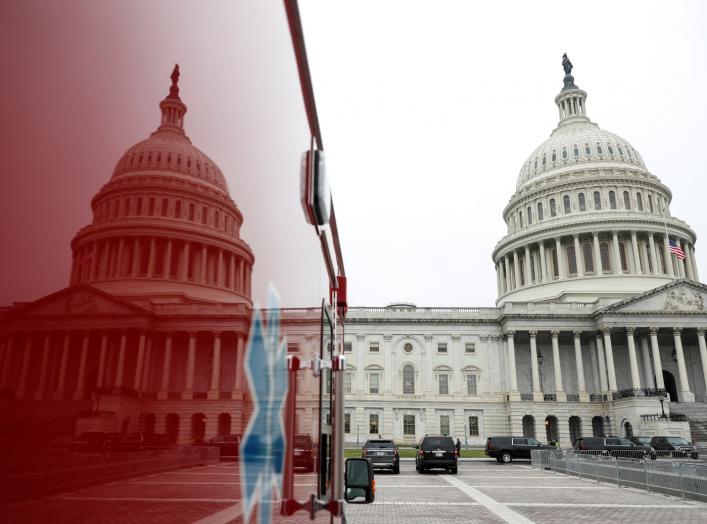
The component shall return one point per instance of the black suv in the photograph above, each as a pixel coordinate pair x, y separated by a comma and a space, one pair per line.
505, 449
614, 446
382, 453
676, 447
436, 451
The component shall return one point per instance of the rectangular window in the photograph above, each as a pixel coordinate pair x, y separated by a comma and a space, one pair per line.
473, 426
471, 385
373, 423
292, 347
348, 376
373, 347
408, 424
444, 424
442, 347
443, 384
347, 422
347, 347
470, 347
373, 383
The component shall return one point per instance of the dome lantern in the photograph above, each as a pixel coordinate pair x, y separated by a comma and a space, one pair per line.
173, 109
572, 100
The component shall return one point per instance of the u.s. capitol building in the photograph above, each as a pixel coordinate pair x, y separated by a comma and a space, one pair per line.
599, 316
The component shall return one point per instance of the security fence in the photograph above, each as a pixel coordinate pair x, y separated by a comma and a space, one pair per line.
28, 476
680, 477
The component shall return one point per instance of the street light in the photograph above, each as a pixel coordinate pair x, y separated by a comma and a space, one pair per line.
540, 371
357, 429
466, 442
662, 398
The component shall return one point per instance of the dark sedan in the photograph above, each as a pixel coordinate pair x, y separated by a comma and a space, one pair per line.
382, 454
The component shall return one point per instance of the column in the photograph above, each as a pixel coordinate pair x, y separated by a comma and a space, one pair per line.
609, 359
238, 381
579, 257
136, 257
184, 269
651, 253
657, 364
668, 257
633, 361
685, 393
219, 269
559, 391
163, 393
528, 269
516, 268
388, 365
39, 392
499, 289
138, 362
703, 354
121, 362
561, 269
232, 273
594, 365
241, 276
188, 392
646, 358
103, 269
543, 264
508, 273
636, 255
602, 364
537, 393
597, 255
167, 261
151, 259
202, 269
581, 384
26, 354
102, 361
61, 383
514, 394
215, 389
93, 258
6, 363
617, 253
79, 392
688, 259
693, 261
145, 381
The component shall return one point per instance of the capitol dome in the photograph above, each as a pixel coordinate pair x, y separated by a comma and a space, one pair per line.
588, 220
165, 224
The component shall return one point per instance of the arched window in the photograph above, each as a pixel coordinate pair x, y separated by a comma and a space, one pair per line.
597, 426
564, 153
204, 215
198, 427
599, 149
216, 219
587, 150
178, 209
551, 433
566, 203
172, 427
612, 200
553, 208
575, 428
529, 426
224, 424
532, 269
628, 429
622, 254
530, 215
650, 203
192, 211
588, 258
597, 200
138, 211
627, 200
576, 151
164, 207
639, 201
408, 380
571, 260
540, 211
605, 258
520, 218
580, 201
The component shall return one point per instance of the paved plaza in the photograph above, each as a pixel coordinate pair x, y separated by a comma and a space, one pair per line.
482, 491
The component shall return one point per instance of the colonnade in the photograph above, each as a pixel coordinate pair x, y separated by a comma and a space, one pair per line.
601, 348
614, 252
55, 374
150, 257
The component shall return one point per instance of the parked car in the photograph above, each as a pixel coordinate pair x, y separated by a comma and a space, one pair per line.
436, 451
228, 445
505, 449
92, 441
614, 447
304, 452
138, 442
641, 441
676, 447
382, 454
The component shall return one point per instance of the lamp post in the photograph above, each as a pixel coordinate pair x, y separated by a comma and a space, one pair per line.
466, 441
357, 430
540, 371
661, 398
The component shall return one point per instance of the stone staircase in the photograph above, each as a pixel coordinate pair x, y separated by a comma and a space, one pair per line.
696, 414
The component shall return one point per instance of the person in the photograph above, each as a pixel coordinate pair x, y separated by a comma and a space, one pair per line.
458, 445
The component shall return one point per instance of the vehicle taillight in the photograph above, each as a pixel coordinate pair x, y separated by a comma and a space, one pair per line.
365, 452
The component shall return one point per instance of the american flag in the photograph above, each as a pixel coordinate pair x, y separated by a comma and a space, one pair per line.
675, 248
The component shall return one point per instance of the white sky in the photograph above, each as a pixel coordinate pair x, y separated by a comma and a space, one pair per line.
429, 109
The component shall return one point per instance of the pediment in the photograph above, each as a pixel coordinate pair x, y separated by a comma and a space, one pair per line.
78, 300
677, 297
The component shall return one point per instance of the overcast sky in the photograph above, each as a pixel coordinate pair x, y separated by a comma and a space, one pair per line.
429, 109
